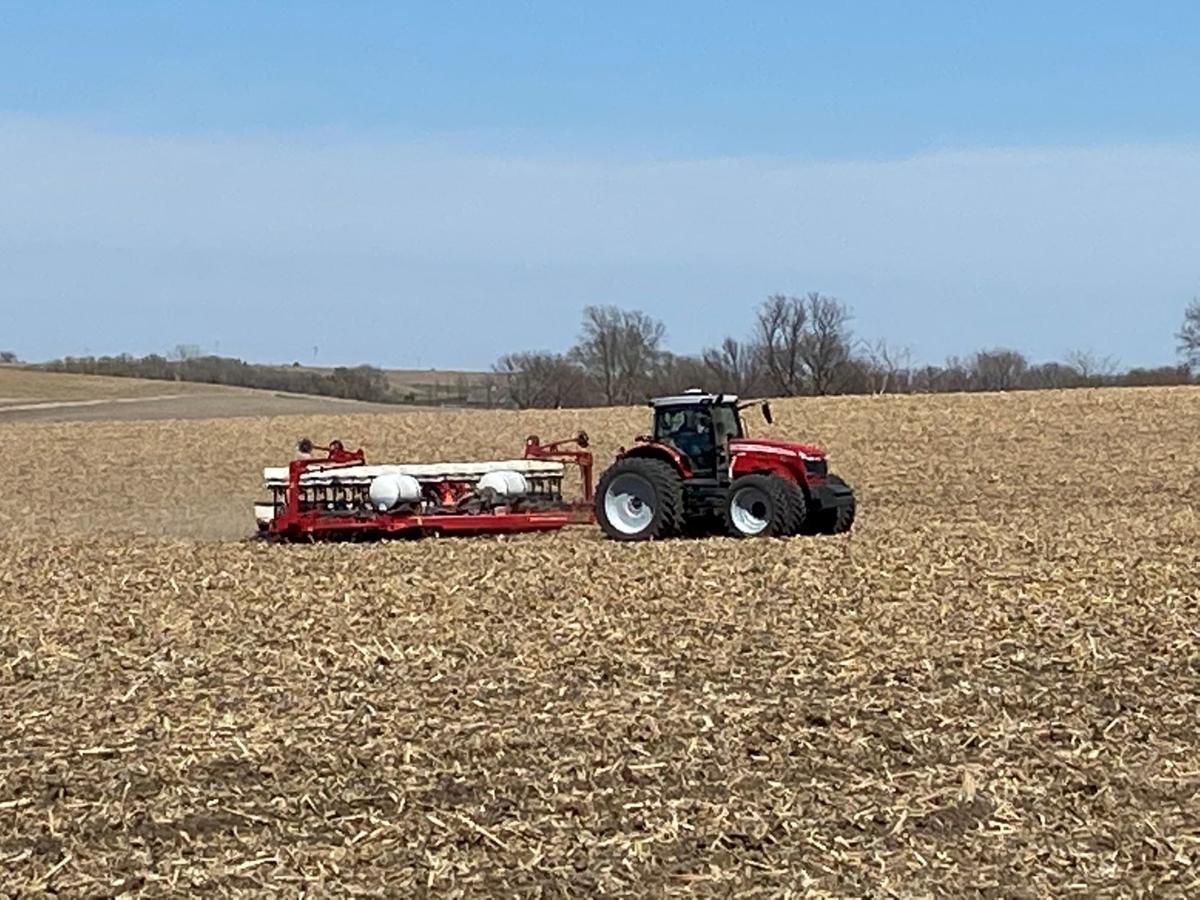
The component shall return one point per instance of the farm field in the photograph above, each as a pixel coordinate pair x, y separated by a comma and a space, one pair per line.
992, 685
28, 395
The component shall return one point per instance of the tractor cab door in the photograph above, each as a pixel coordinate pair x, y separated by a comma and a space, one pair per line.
690, 431
727, 425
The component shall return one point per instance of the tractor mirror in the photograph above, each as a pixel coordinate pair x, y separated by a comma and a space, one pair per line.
766, 411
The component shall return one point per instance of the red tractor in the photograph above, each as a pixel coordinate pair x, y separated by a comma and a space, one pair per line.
701, 472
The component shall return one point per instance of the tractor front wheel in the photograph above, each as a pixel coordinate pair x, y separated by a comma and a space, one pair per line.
759, 506
801, 522
840, 518
639, 499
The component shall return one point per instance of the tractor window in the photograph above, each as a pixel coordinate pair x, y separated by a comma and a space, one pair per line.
690, 431
671, 423
727, 422
668, 422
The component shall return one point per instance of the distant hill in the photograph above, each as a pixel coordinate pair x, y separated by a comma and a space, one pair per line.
433, 387
425, 387
36, 395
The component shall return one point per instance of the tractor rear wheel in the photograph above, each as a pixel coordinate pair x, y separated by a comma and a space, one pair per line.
840, 518
639, 499
759, 506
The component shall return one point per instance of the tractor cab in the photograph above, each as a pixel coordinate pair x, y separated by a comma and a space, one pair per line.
700, 426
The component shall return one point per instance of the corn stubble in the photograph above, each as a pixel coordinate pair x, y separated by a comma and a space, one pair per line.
991, 684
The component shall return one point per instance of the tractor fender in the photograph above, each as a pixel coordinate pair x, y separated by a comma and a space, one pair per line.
662, 452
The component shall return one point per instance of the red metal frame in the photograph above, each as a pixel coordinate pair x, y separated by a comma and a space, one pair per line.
582, 512
290, 522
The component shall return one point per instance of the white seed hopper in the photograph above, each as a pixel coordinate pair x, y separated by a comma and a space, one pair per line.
277, 476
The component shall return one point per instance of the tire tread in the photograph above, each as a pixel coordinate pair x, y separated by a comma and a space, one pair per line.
668, 491
783, 515
840, 519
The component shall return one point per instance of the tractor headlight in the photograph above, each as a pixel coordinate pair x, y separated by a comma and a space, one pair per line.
815, 465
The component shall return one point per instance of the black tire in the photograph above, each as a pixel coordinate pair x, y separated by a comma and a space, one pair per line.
661, 489
801, 520
839, 519
764, 499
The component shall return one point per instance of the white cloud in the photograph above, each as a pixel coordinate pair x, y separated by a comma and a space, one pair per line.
1046, 248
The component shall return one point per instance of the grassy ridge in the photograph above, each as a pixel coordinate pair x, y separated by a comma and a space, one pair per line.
362, 382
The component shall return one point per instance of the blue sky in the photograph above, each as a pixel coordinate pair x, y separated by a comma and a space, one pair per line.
436, 184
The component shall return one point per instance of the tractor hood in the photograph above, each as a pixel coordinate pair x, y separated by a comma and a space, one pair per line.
783, 448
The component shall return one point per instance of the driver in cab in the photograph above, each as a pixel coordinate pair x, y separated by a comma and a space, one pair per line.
690, 431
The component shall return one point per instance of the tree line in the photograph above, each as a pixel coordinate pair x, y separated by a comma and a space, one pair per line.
798, 345
347, 382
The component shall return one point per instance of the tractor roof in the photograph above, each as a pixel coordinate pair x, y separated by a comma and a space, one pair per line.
693, 397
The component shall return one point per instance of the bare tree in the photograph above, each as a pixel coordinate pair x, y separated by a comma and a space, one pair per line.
1189, 335
541, 380
620, 349
1090, 368
998, 370
734, 365
858, 376
678, 373
184, 352
889, 366
804, 343
955, 375
1163, 375
640, 353
8, 357
1051, 376
929, 379
597, 348
780, 333
825, 349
